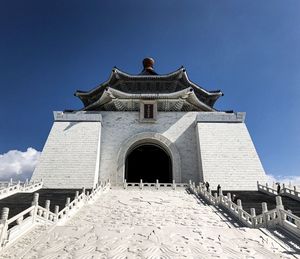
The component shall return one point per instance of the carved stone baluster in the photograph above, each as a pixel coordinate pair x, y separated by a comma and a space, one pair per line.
253, 217
56, 211
19, 220
4, 225
47, 207
35, 203
157, 184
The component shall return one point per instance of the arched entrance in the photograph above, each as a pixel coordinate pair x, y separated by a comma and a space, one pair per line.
148, 162
147, 138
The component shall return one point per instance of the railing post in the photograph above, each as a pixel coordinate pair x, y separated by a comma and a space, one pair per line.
253, 212
141, 184
125, 184
56, 211
190, 184
157, 184
173, 185
240, 208
75, 201
220, 192
67, 201
264, 206
83, 190
264, 212
229, 200
217, 201
279, 206
47, 207
229, 196
35, 203
239, 203
4, 225
67, 205
253, 215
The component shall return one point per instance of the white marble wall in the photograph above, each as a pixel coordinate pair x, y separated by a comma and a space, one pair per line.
228, 156
70, 158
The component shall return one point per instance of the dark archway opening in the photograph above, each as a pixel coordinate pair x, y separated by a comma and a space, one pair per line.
148, 162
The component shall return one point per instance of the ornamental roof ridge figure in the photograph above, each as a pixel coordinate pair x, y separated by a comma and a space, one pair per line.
148, 64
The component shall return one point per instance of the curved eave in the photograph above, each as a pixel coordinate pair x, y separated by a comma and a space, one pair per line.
187, 94
96, 91
212, 95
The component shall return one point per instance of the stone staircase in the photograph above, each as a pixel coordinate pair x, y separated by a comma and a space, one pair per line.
149, 223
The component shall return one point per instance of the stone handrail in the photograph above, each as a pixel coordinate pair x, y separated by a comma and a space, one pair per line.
9, 228
45, 214
12, 188
156, 185
266, 189
290, 222
277, 216
18, 218
71, 205
31, 186
13, 228
292, 193
286, 191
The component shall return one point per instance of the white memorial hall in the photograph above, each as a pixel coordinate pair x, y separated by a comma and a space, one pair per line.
150, 127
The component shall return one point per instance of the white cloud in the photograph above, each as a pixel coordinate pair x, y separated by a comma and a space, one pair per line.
17, 164
294, 180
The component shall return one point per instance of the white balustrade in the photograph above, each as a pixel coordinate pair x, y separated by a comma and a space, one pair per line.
12, 228
290, 191
157, 185
277, 216
17, 187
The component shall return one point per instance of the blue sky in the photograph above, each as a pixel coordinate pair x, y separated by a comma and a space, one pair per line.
248, 49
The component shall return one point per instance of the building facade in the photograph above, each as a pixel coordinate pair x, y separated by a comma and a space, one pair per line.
149, 127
